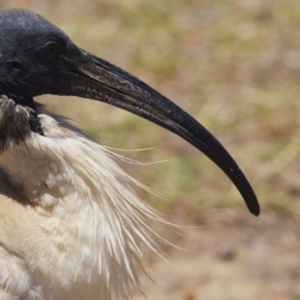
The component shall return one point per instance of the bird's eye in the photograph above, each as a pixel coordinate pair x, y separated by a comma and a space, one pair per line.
50, 50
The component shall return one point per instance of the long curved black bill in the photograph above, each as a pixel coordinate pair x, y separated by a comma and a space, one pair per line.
95, 78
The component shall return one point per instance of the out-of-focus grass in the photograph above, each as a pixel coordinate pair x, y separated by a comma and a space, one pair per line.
233, 65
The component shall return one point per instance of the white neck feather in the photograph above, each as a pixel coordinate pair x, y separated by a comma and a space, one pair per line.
75, 183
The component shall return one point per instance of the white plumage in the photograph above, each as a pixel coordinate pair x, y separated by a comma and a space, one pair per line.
83, 224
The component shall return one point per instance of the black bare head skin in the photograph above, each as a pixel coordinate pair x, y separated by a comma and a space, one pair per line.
38, 58
30, 55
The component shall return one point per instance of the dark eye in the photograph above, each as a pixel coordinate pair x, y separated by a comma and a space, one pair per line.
50, 50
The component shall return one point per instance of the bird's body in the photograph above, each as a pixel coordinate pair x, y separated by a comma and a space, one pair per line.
61, 212
70, 224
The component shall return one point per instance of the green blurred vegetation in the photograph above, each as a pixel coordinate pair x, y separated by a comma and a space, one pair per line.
232, 64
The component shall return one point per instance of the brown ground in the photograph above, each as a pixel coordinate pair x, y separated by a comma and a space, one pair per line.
233, 258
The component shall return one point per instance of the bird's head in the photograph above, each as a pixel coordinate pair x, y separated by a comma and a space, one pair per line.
38, 58
34, 55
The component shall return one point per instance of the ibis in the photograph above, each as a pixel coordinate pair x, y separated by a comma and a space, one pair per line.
71, 226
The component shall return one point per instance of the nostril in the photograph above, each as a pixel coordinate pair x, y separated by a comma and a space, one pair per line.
15, 65
17, 68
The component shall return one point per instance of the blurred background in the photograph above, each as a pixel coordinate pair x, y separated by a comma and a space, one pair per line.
235, 66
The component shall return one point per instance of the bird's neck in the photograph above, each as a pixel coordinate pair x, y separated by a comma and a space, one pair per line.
77, 183
23, 99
